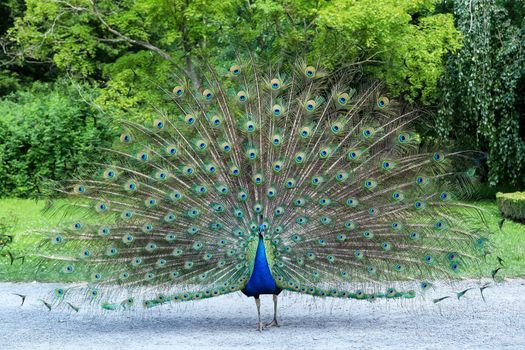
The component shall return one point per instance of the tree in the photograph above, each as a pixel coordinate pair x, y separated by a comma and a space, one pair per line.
483, 102
113, 43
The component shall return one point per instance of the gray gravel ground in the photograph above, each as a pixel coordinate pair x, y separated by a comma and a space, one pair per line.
229, 322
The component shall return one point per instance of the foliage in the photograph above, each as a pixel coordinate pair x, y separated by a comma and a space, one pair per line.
409, 42
512, 205
46, 133
404, 42
483, 87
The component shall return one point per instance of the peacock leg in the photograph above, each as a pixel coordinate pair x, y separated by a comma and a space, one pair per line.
274, 321
259, 324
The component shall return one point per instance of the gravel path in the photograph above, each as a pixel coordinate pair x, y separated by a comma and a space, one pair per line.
229, 322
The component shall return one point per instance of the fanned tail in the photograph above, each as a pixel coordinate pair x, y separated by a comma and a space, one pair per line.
351, 202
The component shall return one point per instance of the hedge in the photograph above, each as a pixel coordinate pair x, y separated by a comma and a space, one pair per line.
512, 205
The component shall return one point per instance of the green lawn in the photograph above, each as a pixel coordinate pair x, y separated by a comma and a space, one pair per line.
24, 220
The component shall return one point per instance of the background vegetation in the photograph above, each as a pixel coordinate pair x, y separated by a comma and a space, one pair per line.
70, 68
462, 61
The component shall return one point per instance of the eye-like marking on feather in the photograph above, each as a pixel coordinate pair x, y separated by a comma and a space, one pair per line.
210, 168
235, 70
277, 166
368, 132
290, 183
309, 72
370, 184
207, 94
310, 105
178, 91
317, 180
342, 98
200, 189
278, 111
305, 132
187, 170
126, 137
242, 96
438, 156
275, 84
398, 195
299, 202
110, 174
234, 170
216, 120
422, 181
300, 157
200, 144
190, 119
225, 147
143, 156
58, 239
175, 196
258, 178
222, 189
171, 150
382, 102
79, 189
325, 152
352, 202
104, 231
342, 176
161, 175
257, 208
101, 207
420, 204
350, 225
354, 154
159, 124
338, 127
388, 165
249, 126
252, 153
277, 139
126, 215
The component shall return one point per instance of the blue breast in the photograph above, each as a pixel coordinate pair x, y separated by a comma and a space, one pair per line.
261, 280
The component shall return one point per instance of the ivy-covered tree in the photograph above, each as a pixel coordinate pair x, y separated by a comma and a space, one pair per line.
483, 102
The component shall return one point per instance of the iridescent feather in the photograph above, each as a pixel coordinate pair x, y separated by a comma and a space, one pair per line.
353, 205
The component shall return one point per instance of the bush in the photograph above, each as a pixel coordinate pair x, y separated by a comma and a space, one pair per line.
512, 205
46, 133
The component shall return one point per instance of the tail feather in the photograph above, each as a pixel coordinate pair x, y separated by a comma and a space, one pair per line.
331, 168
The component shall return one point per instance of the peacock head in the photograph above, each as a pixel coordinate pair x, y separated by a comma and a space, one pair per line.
262, 228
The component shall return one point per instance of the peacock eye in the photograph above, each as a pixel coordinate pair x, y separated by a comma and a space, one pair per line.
178, 91
309, 72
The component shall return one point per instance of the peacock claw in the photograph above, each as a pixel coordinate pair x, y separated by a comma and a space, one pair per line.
260, 326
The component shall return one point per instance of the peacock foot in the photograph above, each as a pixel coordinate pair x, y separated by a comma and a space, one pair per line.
260, 326
272, 324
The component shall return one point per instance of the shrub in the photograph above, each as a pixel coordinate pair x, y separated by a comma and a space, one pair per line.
46, 133
512, 205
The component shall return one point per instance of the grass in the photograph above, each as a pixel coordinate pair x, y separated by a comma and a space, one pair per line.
23, 219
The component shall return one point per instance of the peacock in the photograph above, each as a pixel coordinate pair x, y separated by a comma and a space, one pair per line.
266, 177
